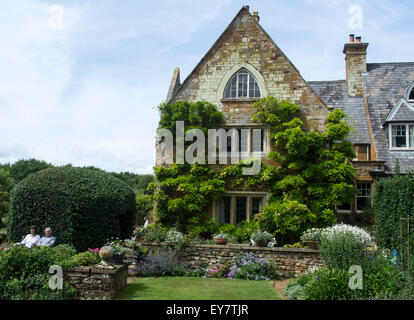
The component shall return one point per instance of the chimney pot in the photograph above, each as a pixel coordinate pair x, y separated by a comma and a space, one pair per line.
358, 39
256, 16
247, 8
351, 38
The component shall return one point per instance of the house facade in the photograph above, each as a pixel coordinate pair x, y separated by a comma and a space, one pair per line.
245, 64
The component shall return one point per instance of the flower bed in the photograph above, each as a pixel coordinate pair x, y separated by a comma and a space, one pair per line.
288, 260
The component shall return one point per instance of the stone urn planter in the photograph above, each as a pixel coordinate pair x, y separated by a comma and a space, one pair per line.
221, 241
312, 244
117, 258
262, 243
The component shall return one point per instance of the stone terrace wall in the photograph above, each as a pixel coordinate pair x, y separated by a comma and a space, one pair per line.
97, 281
289, 260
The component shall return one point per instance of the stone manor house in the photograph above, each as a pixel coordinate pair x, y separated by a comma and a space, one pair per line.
245, 64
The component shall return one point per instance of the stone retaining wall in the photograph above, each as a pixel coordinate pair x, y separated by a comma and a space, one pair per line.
97, 281
289, 260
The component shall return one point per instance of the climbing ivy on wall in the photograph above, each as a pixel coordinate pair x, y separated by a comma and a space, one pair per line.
314, 172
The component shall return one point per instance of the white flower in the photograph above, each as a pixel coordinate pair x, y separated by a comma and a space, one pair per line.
341, 228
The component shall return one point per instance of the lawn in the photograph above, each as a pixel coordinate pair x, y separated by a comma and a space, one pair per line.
184, 288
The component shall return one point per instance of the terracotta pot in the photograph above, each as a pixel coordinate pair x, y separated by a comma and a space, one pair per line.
220, 240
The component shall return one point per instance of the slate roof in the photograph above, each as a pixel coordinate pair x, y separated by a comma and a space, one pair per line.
335, 94
385, 84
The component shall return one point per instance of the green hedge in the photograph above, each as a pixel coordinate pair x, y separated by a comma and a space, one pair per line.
393, 199
83, 207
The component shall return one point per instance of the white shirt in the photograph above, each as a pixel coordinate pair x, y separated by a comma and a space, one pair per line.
30, 241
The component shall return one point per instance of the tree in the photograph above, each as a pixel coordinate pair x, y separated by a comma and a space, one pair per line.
23, 168
6, 185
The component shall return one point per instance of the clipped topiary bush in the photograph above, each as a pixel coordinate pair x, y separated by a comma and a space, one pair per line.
83, 207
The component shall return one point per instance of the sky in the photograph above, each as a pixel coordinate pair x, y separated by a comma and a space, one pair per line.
80, 80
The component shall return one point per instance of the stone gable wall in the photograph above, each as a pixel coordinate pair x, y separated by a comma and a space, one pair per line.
246, 44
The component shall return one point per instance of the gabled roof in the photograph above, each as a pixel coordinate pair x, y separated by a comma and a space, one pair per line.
385, 85
402, 111
243, 11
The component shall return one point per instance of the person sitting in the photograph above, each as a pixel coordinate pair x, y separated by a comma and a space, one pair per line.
32, 239
47, 240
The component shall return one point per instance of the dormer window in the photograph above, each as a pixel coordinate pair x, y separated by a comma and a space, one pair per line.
402, 136
242, 85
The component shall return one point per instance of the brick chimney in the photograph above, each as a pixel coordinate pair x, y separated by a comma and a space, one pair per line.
356, 62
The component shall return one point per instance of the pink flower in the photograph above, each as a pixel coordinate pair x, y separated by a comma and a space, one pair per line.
1, 248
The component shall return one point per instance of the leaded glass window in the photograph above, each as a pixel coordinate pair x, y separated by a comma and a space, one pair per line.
242, 85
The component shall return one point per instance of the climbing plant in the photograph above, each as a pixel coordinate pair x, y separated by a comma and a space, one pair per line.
314, 172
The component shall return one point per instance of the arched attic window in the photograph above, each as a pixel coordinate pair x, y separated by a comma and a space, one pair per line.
410, 93
411, 96
242, 85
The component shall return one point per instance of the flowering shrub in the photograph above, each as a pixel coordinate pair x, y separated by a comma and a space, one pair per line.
342, 244
313, 234
246, 267
94, 251
259, 238
382, 279
221, 272
174, 236
164, 263
339, 229
4, 247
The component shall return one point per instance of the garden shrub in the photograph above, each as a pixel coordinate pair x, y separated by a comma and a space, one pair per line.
259, 238
84, 207
164, 263
393, 199
341, 245
294, 288
85, 259
202, 226
327, 284
24, 272
382, 276
155, 233
241, 232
